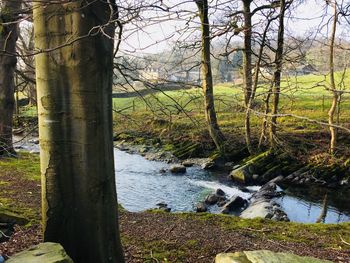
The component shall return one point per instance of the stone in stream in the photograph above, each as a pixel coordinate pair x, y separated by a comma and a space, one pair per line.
201, 207
261, 256
163, 207
208, 165
241, 174
187, 163
220, 192
162, 170
177, 169
262, 203
212, 199
235, 203
222, 203
42, 253
162, 204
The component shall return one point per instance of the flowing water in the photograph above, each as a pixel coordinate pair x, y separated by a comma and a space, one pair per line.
141, 185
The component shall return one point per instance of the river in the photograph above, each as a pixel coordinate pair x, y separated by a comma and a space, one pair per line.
141, 185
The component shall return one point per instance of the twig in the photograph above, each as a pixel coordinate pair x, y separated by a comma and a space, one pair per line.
257, 230
156, 260
286, 247
227, 249
343, 241
2, 233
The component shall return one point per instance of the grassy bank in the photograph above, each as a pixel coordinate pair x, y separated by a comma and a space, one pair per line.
179, 237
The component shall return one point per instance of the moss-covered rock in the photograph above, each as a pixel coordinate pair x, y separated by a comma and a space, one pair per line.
42, 253
241, 174
264, 256
264, 167
8, 216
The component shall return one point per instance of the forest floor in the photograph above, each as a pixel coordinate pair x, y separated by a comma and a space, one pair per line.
155, 236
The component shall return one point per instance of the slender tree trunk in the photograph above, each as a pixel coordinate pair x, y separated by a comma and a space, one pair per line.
247, 53
8, 60
277, 75
29, 69
333, 89
207, 78
75, 126
252, 96
264, 125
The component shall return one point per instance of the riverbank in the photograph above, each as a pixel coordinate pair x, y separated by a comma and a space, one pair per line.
242, 167
179, 237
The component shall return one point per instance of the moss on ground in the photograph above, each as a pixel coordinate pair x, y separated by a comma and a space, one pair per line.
17, 175
25, 164
328, 234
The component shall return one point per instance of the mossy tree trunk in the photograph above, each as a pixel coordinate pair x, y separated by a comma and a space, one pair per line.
207, 77
8, 37
74, 85
277, 74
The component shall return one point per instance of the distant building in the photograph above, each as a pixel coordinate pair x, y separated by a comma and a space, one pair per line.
302, 70
151, 74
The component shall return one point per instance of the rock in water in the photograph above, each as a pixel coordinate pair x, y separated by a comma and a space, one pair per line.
42, 253
211, 199
162, 204
201, 207
188, 163
262, 203
262, 256
241, 174
220, 192
235, 203
208, 165
177, 169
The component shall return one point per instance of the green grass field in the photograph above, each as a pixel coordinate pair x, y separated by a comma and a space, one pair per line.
179, 114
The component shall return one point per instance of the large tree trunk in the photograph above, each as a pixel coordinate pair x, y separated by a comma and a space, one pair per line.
277, 74
333, 89
207, 78
75, 125
8, 60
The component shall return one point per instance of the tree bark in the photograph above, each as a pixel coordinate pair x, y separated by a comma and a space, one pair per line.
8, 61
277, 74
74, 85
333, 89
253, 91
207, 78
29, 68
247, 53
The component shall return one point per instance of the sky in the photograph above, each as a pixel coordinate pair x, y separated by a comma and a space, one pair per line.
155, 36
